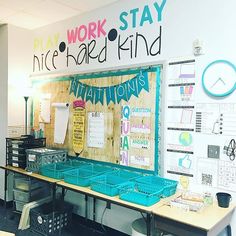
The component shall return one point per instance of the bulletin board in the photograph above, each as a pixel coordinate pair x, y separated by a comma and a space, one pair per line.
120, 128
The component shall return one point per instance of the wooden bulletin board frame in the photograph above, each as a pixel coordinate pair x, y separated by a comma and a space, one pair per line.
59, 88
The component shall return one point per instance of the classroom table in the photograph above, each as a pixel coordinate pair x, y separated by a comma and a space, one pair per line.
210, 221
112, 200
21, 171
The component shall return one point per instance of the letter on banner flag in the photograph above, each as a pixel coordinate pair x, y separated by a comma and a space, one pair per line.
74, 86
121, 92
90, 94
81, 90
131, 86
110, 94
142, 81
99, 95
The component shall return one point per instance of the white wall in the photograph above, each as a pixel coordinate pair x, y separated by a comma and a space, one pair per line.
19, 62
15, 67
3, 100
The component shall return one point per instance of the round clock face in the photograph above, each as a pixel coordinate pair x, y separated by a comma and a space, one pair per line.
219, 78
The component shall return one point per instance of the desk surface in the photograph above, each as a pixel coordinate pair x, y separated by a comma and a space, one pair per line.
205, 219
4, 233
30, 174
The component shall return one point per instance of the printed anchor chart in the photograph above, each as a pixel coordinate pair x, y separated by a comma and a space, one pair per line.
180, 119
216, 119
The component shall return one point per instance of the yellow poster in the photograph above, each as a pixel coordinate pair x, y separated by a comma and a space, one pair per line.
78, 130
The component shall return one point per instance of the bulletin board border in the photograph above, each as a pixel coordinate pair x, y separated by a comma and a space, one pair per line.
120, 72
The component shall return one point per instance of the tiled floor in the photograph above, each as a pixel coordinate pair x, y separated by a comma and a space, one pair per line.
9, 222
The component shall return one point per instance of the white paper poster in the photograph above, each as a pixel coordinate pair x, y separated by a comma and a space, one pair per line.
96, 130
140, 160
61, 121
44, 113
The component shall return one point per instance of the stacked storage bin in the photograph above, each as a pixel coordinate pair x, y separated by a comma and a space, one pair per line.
16, 149
38, 157
26, 190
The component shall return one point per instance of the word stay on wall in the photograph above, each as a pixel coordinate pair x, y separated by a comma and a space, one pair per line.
102, 40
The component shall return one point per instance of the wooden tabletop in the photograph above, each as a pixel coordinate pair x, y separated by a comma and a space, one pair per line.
30, 174
205, 219
4, 233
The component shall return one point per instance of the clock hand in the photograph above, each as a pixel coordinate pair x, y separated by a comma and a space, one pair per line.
217, 82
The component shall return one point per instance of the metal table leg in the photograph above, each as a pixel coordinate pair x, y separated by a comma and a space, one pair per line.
94, 209
148, 223
228, 230
86, 207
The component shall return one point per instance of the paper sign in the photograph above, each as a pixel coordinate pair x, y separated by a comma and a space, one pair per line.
44, 112
141, 128
96, 130
78, 130
141, 112
124, 158
140, 143
61, 121
140, 160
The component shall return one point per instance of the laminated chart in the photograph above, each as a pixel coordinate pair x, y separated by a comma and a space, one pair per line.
180, 120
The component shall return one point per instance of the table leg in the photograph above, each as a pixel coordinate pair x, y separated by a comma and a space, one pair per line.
228, 230
94, 209
54, 203
63, 195
5, 194
148, 223
86, 207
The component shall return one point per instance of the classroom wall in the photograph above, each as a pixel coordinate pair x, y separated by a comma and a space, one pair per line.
19, 61
182, 22
15, 68
3, 99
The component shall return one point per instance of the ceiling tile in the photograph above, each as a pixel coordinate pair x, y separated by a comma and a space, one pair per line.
52, 11
86, 5
5, 12
19, 4
27, 21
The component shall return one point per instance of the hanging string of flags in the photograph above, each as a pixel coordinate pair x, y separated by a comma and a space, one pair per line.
115, 93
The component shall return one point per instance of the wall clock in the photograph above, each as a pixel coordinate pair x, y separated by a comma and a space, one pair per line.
219, 78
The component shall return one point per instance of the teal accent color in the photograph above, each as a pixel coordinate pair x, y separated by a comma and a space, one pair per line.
146, 16
74, 86
90, 94
86, 159
99, 95
132, 88
81, 91
110, 95
203, 78
121, 92
159, 9
142, 81
123, 20
156, 151
134, 16
94, 75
